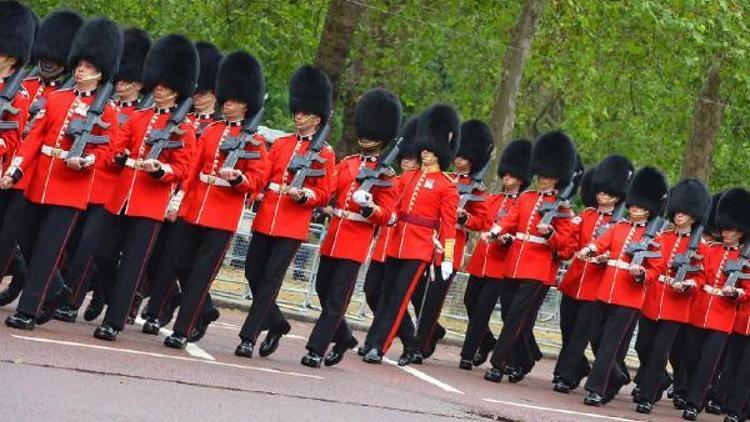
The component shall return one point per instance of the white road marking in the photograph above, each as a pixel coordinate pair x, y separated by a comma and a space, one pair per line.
563, 411
424, 377
232, 327
159, 355
192, 349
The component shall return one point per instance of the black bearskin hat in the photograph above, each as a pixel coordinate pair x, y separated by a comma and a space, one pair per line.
554, 155
515, 161
172, 61
588, 194
689, 196
136, 45
310, 92
613, 176
55, 36
408, 147
439, 131
209, 58
240, 77
711, 218
732, 210
648, 190
378, 116
99, 41
476, 144
17, 27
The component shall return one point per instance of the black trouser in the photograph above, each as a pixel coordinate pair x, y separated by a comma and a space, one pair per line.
374, 289
401, 278
525, 353
268, 259
203, 251
139, 236
431, 305
480, 299
570, 311
161, 249
15, 233
739, 394
655, 340
730, 365
55, 225
518, 320
702, 362
334, 284
617, 330
680, 376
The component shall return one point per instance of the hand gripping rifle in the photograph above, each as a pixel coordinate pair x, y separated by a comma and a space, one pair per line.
301, 165
161, 139
10, 89
465, 191
234, 146
370, 177
734, 268
681, 262
550, 210
82, 129
617, 215
641, 250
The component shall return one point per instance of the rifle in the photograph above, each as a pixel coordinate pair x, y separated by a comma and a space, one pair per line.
681, 262
82, 129
550, 210
369, 178
234, 146
301, 165
161, 139
617, 215
477, 182
10, 89
146, 101
640, 250
734, 268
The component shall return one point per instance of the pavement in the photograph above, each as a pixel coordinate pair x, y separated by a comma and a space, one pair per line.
60, 371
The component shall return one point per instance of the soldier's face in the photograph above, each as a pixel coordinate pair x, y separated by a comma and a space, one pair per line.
203, 100
603, 198
682, 221
462, 164
730, 236
86, 72
50, 70
637, 213
234, 110
428, 158
511, 183
163, 94
547, 183
127, 90
409, 164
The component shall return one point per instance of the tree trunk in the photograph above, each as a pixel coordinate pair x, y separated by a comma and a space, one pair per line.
514, 62
709, 109
341, 21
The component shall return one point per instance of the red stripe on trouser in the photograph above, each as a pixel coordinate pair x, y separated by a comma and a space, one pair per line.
168, 295
435, 320
80, 280
402, 308
54, 267
198, 309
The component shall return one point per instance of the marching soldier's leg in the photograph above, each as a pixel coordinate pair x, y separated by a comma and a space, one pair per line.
651, 371
139, 240
644, 345
588, 324
373, 283
56, 225
569, 310
739, 395
429, 331
478, 322
18, 229
526, 352
20, 271
727, 371
700, 381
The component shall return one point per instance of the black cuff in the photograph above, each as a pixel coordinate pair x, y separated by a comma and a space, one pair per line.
367, 211
548, 235
303, 199
158, 174
462, 219
236, 181
640, 278
16, 175
120, 159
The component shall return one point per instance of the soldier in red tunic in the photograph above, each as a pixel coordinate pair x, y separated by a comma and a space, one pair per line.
408, 160
60, 186
487, 264
16, 37
666, 309
204, 99
81, 268
356, 214
713, 311
535, 255
283, 218
609, 182
472, 157
152, 164
427, 219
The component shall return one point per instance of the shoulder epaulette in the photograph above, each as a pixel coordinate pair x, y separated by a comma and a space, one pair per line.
449, 177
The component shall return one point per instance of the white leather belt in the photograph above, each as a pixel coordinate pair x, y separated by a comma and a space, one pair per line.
275, 187
713, 291
213, 180
54, 152
664, 279
531, 238
133, 164
349, 215
619, 264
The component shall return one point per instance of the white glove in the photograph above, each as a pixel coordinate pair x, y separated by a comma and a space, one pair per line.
446, 269
362, 198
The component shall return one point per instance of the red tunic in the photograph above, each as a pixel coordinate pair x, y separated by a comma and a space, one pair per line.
137, 193
662, 301
210, 201
582, 278
531, 256
38, 92
52, 182
11, 134
477, 220
278, 214
488, 258
426, 216
350, 238
385, 233
617, 286
710, 310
